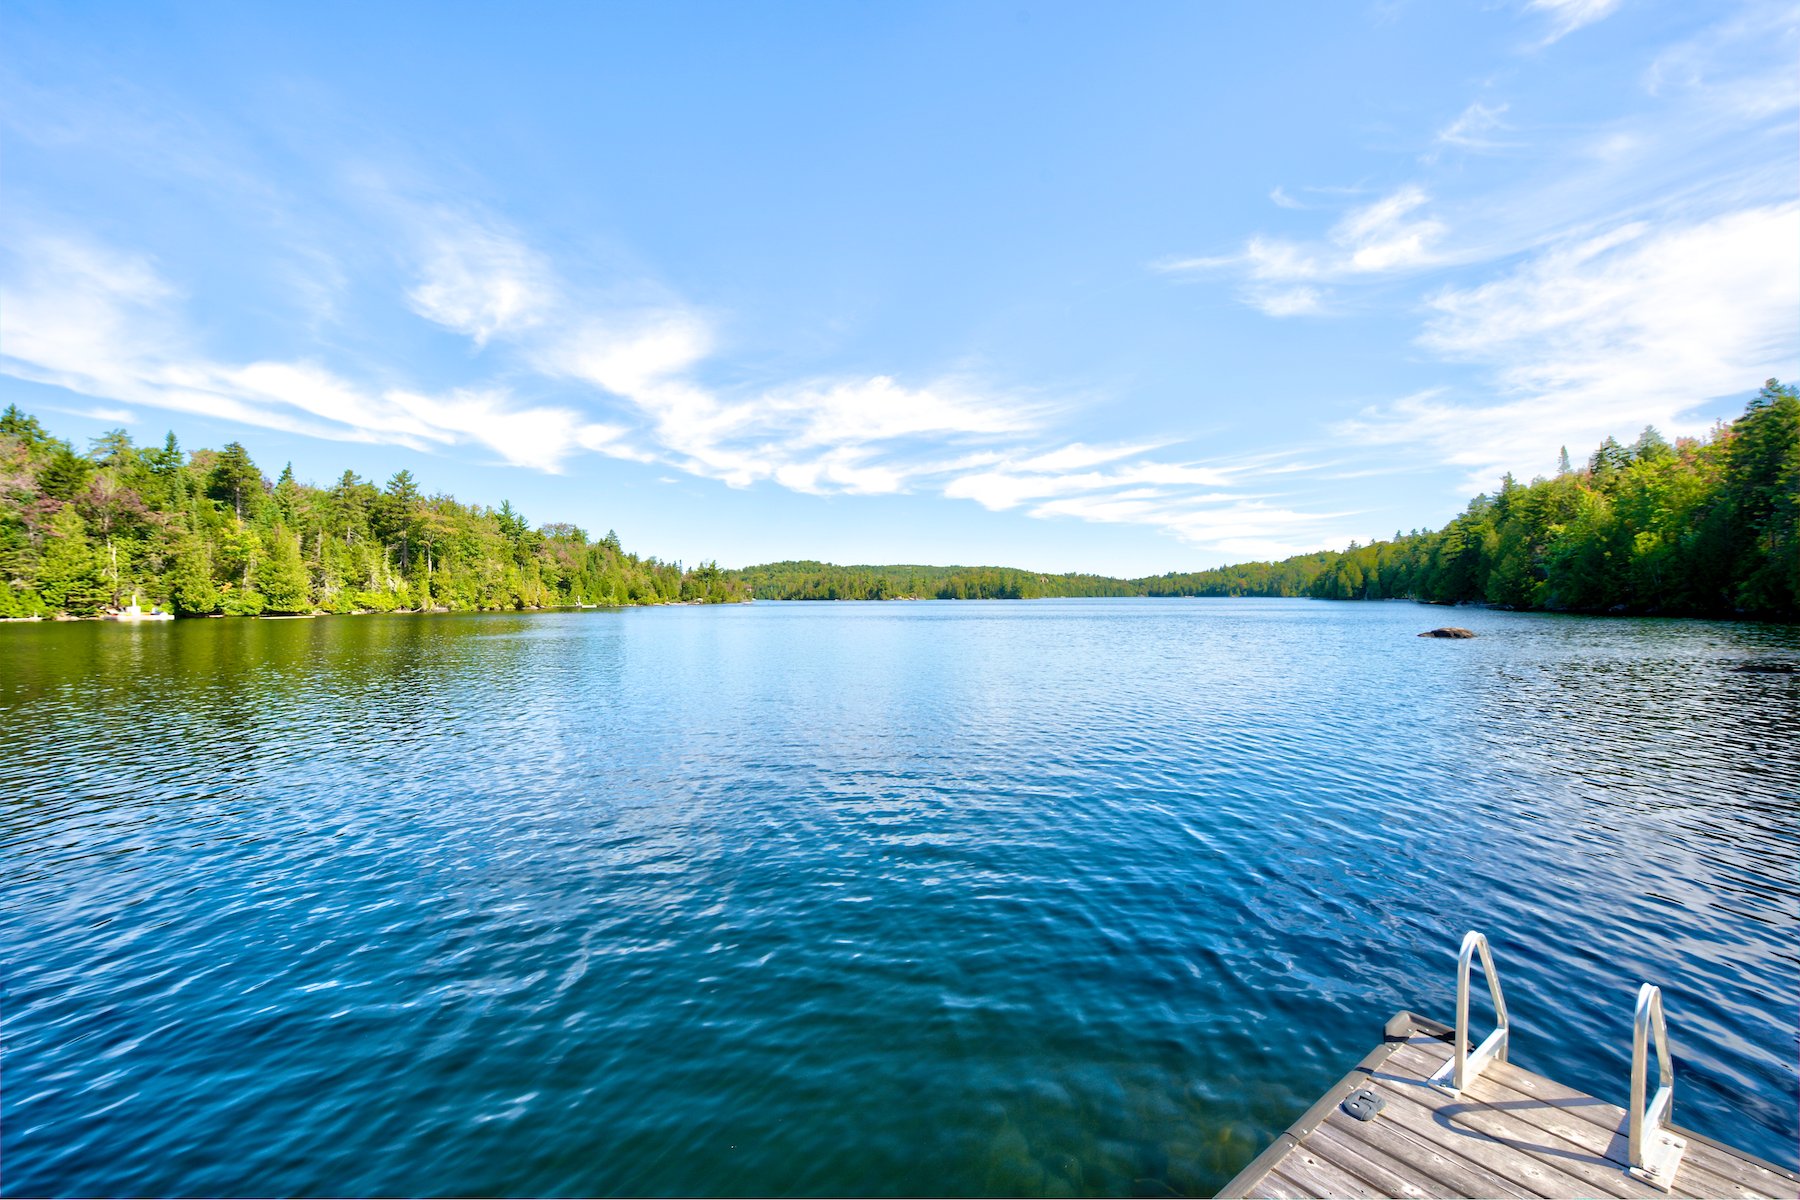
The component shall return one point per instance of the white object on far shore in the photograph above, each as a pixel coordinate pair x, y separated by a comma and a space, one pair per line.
132, 612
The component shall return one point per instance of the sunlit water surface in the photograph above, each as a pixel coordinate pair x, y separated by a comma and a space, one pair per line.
1047, 898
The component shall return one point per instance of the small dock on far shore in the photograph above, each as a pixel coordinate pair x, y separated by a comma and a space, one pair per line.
1424, 1116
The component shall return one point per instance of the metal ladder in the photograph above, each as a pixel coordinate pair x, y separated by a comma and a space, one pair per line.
1464, 1068
1653, 1153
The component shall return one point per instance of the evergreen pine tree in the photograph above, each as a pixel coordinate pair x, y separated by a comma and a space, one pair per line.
71, 576
281, 576
191, 587
234, 480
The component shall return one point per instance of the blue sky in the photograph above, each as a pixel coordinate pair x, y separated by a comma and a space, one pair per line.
1072, 287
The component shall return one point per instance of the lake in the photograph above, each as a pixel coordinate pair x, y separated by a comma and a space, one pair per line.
1045, 898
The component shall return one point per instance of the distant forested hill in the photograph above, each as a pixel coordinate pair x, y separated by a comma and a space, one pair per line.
809, 580
206, 533
1706, 527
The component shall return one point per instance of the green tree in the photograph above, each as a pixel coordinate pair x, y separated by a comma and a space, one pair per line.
165, 459
65, 474
348, 507
1511, 581
395, 513
191, 588
1762, 487
166, 486
114, 449
287, 496
280, 575
71, 576
1608, 460
24, 429
234, 480
1651, 446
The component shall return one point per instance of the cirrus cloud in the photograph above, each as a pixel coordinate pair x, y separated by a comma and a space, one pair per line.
1280, 277
1642, 324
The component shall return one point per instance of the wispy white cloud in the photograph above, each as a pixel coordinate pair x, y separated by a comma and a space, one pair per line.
1225, 524
1287, 302
626, 354
1707, 134
1279, 197
1725, 66
1390, 234
104, 323
1011, 483
107, 324
1281, 277
478, 279
1224, 507
1566, 16
1473, 128
869, 435
539, 436
98, 412
1078, 455
1644, 324
646, 361
861, 436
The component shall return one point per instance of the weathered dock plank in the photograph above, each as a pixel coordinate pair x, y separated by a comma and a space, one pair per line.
1392, 1177
1728, 1165
1510, 1133
1318, 1176
1573, 1119
1500, 1134
1417, 1114
1442, 1174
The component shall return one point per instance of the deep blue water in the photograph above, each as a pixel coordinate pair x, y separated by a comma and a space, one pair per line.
1042, 898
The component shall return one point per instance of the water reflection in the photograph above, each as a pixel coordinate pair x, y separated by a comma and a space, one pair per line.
1054, 898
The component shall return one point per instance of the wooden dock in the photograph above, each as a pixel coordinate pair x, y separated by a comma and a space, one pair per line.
1510, 1133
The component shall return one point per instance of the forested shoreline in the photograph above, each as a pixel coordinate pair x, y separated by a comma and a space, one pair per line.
1701, 527
207, 534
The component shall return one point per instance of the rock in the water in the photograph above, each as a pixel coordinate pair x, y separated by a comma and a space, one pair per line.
1449, 631
1767, 668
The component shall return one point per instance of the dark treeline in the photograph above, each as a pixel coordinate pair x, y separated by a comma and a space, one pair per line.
206, 533
809, 580
1706, 526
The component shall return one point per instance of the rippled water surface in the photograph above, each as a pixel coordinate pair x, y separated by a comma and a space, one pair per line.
1064, 897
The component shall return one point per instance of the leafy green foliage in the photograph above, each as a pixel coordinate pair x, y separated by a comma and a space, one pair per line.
207, 534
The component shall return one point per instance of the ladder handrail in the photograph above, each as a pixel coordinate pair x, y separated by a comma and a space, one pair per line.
1647, 1121
1463, 1067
